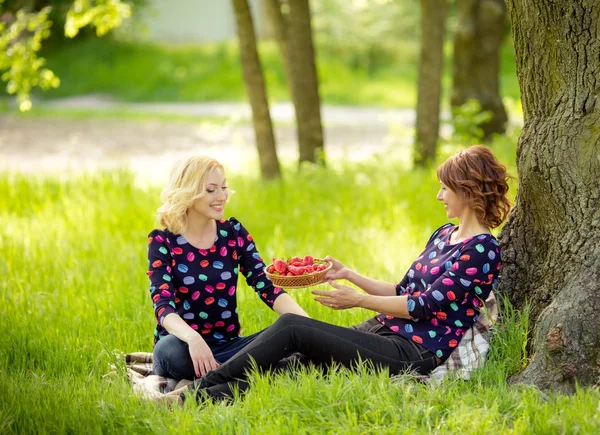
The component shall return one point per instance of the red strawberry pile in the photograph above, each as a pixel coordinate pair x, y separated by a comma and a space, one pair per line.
296, 266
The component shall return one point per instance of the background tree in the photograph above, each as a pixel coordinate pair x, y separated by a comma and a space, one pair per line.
25, 25
257, 94
551, 255
278, 20
476, 62
304, 83
431, 63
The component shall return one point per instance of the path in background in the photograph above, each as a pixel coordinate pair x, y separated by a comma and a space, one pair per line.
147, 146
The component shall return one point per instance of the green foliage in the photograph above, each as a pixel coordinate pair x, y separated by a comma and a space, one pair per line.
74, 297
103, 15
467, 121
61, 8
20, 66
22, 33
365, 34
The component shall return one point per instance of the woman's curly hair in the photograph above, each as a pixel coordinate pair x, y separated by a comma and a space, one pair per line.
478, 177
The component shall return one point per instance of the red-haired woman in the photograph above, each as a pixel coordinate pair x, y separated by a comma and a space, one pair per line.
423, 317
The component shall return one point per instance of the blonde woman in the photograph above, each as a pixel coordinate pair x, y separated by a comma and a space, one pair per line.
193, 265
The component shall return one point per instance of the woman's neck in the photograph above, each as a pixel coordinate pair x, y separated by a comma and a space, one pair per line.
468, 226
199, 225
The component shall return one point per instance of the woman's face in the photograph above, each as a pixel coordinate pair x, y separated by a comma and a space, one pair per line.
212, 204
454, 205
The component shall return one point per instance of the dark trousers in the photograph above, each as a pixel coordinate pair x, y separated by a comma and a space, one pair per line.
320, 343
171, 356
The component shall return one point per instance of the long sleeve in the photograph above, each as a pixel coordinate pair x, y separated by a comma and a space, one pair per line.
477, 264
160, 274
401, 287
252, 266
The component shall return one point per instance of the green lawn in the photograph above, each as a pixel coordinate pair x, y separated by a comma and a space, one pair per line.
74, 297
211, 72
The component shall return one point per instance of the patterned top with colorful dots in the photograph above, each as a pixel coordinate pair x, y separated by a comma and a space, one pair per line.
446, 285
200, 284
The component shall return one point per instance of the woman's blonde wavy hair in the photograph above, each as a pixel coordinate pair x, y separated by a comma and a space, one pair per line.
186, 184
478, 177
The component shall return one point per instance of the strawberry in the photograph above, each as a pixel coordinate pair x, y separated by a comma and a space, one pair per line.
293, 259
308, 260
309, 269
295, 270
271, 269
280, 266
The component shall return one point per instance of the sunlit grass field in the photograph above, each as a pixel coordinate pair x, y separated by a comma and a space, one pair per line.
74, 297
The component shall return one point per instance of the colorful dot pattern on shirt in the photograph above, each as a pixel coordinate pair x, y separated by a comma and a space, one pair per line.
201, 284
445, 286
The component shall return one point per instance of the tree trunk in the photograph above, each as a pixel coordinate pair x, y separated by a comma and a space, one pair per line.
431, 63
304, 84
551, 253
476, 68
279, 23
255, 85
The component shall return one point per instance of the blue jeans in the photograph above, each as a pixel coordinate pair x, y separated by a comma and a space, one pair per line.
172, 359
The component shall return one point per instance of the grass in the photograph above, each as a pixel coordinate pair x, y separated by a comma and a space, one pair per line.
147, 72
74, 297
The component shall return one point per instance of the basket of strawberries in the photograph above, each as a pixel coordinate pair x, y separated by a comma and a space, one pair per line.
297, 272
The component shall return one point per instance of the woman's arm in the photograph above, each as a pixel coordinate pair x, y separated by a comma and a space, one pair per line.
371, 286
344, 297
477, 265
285, 304
252, 267
396, 306
200, 353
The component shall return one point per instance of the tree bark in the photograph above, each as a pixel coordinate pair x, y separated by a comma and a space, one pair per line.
304, 83
257, 94
431, 63
551, 255
279, 23
476, 63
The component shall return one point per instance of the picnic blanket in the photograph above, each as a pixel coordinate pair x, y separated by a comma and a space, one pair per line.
468, 356
144, 383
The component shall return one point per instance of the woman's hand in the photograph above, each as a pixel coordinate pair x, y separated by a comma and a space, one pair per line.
337, 271
342, 298
201, 355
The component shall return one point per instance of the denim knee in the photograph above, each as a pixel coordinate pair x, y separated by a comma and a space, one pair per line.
170, 358
289, 319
